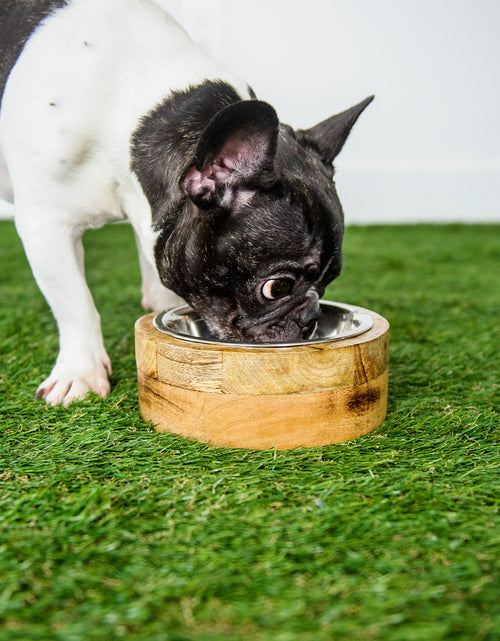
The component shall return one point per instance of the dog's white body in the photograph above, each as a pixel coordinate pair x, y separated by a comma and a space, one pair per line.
66, 126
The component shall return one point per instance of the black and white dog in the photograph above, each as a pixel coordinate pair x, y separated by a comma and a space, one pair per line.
109, 111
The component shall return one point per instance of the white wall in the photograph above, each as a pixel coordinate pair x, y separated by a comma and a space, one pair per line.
428, 148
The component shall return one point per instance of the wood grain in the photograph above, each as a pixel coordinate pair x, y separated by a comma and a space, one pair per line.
264, 397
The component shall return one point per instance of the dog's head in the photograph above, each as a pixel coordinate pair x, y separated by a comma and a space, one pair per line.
260, 233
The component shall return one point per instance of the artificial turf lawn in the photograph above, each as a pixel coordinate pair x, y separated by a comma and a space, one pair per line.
109, 530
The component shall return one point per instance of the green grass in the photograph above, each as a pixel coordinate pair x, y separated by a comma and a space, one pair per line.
109, 530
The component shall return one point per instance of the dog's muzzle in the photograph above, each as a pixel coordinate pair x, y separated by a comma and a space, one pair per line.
309, 314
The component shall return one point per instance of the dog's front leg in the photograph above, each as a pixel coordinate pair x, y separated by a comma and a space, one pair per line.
55, 253
155, 296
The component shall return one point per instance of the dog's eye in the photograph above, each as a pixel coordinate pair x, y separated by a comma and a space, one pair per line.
277, 288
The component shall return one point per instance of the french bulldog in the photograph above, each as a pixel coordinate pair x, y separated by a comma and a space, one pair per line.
109, 112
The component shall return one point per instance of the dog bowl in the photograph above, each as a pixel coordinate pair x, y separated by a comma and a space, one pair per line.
337, 321
327, 389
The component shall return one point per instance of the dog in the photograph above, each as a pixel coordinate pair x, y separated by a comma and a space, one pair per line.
110, 112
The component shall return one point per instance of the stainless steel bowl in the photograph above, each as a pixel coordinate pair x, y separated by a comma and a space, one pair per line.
337, 321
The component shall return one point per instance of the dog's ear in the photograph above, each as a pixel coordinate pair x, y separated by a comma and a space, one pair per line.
328, 137
236, 145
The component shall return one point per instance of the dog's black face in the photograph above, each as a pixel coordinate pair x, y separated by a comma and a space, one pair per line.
259, 233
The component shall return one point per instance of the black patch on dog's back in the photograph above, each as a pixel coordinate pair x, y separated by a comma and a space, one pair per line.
18, 20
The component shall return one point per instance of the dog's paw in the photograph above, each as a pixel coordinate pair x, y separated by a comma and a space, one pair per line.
67, 384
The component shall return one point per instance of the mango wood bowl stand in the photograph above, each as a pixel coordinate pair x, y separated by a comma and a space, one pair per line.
264, 397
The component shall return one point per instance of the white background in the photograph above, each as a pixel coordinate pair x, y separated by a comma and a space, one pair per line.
428, 147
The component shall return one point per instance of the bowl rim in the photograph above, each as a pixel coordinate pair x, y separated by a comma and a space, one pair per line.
362, 316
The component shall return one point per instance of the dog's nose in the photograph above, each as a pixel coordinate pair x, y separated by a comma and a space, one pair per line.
309, 314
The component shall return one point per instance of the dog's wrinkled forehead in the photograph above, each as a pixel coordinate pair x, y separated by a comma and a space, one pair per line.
271, 225
299, 162
307, 179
